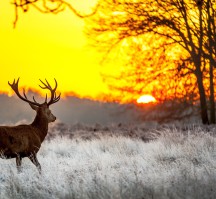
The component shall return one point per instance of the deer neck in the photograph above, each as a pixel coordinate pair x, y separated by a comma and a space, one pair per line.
41, 123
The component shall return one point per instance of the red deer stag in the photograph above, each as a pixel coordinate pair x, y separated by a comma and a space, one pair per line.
25, 140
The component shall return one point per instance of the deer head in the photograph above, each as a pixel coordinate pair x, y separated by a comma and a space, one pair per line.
42, 109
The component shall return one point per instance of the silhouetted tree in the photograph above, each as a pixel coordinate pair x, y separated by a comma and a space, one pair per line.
146, 71
210, 48
47, 6
183, 24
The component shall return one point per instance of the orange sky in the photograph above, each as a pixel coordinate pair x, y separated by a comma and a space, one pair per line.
48, 46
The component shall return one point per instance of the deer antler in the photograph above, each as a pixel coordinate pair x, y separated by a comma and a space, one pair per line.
53, 98
14, 86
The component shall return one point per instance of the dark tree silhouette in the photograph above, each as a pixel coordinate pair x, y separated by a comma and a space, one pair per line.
184, 24
147, 72
153, 71
46, 6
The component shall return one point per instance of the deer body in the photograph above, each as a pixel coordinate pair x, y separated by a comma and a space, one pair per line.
25, 140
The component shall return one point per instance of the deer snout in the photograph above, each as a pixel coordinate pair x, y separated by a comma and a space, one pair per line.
52, 118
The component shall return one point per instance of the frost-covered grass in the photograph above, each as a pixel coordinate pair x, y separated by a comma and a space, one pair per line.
178, 164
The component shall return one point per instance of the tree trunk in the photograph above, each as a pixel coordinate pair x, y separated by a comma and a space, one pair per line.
212, 101
203, 104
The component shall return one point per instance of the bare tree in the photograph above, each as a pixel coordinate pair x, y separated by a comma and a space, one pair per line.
47, 6
210, 49
153, 71
147, 72
185, 24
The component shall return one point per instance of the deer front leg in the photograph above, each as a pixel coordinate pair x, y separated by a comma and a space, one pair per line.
34, 160
18, 163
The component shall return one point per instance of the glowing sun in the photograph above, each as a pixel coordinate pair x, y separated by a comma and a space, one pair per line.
146, 99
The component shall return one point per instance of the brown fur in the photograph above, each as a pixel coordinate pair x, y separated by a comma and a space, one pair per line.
25, 140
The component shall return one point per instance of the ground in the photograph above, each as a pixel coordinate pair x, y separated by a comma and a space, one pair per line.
117, 161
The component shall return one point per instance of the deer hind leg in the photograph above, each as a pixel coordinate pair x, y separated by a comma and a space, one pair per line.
18, 163
34, 160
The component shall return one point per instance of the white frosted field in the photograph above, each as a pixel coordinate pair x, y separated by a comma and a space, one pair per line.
117, 162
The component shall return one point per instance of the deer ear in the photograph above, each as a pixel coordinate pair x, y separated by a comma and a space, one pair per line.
33, 107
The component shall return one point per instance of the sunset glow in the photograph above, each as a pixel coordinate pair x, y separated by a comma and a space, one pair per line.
146, 99
48, 46
55, 46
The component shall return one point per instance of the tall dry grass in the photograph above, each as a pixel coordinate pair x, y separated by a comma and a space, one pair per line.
178, 164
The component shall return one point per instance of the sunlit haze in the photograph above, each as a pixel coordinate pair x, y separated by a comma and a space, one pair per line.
48, 46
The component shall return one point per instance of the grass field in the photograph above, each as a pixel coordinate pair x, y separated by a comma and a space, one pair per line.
117, 162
